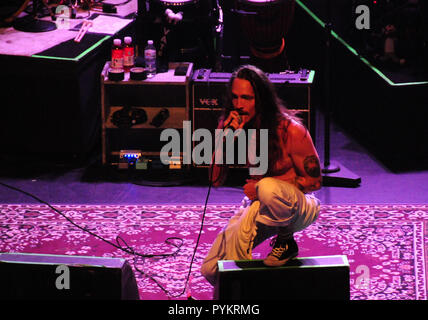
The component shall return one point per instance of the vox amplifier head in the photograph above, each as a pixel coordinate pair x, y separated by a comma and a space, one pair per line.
209, 88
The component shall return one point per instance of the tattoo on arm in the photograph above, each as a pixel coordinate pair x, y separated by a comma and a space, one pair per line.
312, 166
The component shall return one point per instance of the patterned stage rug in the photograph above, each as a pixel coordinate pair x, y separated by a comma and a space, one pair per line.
385, 244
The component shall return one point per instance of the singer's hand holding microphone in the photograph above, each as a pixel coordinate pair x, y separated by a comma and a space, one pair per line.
234, 121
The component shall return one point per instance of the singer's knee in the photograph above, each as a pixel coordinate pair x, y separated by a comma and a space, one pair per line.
268, 189
265, 189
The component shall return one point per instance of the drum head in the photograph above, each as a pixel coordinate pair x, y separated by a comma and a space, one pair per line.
10, 9
265, 24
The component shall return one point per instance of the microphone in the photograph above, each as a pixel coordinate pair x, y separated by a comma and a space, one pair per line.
229, 126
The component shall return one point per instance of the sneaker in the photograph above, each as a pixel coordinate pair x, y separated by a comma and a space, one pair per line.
282, 251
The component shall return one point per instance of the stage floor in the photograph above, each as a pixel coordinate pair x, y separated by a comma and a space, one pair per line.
381, 224
68, 184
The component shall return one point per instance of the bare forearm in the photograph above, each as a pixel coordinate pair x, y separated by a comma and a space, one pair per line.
308, 184
304, 184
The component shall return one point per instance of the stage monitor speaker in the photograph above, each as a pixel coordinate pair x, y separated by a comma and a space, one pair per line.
309, 278
61, 277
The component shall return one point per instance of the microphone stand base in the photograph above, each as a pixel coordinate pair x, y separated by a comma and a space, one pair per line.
330, 168
339, 178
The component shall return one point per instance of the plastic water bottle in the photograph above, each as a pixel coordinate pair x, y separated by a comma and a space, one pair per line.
150, 59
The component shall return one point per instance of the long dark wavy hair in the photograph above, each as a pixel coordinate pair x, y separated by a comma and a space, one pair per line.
270, 109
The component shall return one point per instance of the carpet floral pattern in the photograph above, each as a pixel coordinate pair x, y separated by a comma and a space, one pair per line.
385, 244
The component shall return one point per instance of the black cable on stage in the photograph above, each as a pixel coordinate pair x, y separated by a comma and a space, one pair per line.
130, 250
126, 248
201, 228
210, 183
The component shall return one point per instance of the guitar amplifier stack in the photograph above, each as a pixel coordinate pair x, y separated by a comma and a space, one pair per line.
209, 91
134, 112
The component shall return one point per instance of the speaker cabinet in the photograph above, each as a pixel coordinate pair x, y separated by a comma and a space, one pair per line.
62, 277
309, 278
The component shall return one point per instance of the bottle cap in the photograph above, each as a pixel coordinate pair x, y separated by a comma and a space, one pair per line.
128, 40
117, 42
150, 42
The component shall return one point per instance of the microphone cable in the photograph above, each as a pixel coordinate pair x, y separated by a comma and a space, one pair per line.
129, 250
210, 184
125, 247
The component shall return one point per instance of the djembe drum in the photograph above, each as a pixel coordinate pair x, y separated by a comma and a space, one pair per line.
265, 23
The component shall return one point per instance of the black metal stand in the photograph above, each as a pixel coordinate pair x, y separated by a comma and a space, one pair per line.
236, 59
31, 23
334, 174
